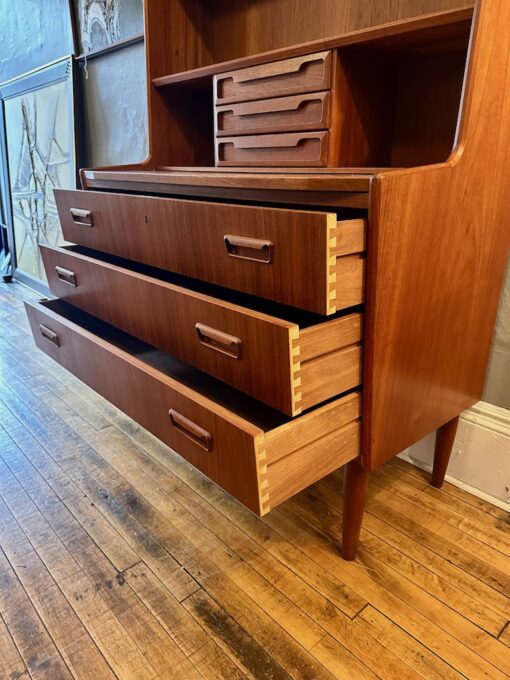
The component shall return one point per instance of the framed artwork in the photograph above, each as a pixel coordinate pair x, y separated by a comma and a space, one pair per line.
39, 124
101, 23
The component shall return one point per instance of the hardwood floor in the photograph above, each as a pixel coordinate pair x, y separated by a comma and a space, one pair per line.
119, 560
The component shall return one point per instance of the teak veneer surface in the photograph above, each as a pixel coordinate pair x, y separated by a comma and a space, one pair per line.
278, 179
189, 238
283, 114
439, 242
420, 27
186, 41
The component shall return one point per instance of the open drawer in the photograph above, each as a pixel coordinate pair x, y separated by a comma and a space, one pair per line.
287, 358
252, 451
302, 258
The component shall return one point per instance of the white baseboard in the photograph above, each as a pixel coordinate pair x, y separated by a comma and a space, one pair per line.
480, 462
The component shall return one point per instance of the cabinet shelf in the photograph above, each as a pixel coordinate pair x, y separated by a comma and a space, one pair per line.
419, 32
347, 187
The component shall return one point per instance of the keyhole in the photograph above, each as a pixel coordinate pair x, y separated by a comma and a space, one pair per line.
146, 219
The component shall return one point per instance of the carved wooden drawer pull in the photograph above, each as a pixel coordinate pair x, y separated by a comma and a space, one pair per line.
82, 217
49, 335
191, 430
246, 248
219, 341
67, 276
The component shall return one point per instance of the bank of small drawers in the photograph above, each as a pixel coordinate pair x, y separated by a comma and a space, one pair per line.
275, 114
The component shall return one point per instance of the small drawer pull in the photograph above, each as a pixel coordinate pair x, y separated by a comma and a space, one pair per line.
82, 217
249, 248
49, 335
67, 276
278, 69
191, 430
219, 341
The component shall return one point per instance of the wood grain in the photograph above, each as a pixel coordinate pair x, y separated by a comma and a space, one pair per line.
284, 114
171, 234
332, 27
166, 315
146, 394
415, 604
428, 363
305, 149
236, 455
310, 73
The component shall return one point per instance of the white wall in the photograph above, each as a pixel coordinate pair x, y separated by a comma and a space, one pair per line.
480, 461
497, 383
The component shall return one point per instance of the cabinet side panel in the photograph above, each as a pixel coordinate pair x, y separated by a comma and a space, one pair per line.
437, 250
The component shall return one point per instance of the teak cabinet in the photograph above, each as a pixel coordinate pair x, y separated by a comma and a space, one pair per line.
305, 271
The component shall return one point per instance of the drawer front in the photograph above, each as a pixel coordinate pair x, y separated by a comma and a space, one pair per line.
259, 467
262, 251
309, 73
229, 342
284, 114
308, 149
218, 444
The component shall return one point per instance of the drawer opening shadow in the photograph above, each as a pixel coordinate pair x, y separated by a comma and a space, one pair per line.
261, 415
301, 317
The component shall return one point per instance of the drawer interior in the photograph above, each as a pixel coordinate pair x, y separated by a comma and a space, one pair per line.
300, 317
252, 451
314, 358
235, 401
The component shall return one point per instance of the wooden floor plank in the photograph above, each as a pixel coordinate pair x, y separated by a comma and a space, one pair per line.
207, 559
151, 640
209, 659
42, 376
159, 455
308, 599
11, 663
435, 574
504, 635
490, 566
414, 653
72, 639
158, 509
455, 492
119, 552
233, 638
84, 595
287, 648
471, 522
397, 582
40, 656
72, 454
380, 594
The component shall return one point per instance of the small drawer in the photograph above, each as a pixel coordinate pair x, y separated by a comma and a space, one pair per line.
253, 452
312, 359
304, 149
308, 73
268, 252
284, 114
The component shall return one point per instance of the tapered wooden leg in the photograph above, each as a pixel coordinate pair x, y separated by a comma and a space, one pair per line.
355, 495
444, 443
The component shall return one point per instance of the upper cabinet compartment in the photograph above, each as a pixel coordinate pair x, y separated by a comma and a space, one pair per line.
221, 72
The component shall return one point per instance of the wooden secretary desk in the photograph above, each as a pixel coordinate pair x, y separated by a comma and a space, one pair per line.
305, 272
